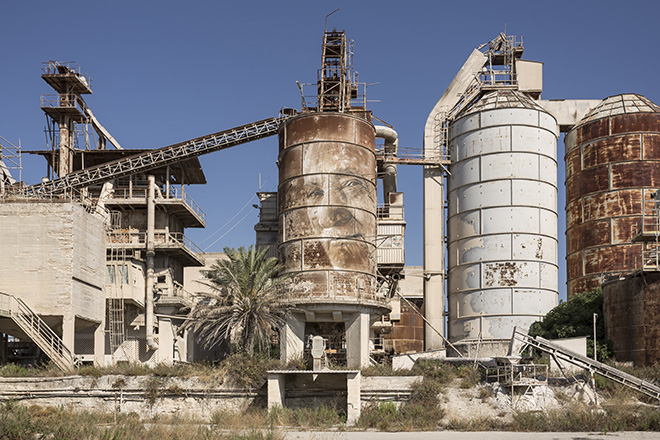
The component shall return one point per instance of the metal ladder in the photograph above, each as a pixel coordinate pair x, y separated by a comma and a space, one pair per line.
156, 158
117, 259
37, 330
560, 353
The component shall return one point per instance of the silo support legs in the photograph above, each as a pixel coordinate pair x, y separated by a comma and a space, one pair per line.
357, 341
292, 339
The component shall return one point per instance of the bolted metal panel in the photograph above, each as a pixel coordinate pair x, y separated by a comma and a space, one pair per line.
502, 226
612, 163
327, 208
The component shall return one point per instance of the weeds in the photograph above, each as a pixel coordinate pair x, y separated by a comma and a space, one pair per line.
421, 412
18, 422
249, 371
322, 416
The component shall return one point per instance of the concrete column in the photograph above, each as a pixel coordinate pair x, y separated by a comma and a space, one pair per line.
353, 402
276, 386
66, 147
69, 332
165, 340
99, 344
357, 341
149, 284
292, 344
434, 257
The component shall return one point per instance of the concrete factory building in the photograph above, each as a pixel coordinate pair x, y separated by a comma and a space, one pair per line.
94, 257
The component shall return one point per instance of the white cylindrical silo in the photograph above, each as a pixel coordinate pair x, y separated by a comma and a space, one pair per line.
502, 221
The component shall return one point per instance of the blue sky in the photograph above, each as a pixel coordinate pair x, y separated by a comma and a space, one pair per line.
165, 71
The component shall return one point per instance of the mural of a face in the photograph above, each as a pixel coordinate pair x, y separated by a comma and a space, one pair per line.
327, 203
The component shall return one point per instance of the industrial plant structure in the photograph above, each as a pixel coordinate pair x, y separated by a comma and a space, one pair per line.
93, 259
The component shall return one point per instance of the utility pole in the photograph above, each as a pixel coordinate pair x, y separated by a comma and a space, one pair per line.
595, 317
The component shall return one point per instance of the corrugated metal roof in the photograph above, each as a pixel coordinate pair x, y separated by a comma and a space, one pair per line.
625, 103
504, 98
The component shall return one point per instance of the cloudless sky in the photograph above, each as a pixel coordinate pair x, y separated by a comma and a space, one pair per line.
167, 71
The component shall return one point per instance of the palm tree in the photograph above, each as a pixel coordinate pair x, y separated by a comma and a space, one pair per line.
245, 300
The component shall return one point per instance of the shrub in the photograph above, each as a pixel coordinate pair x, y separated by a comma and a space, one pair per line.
435, 370
249, 370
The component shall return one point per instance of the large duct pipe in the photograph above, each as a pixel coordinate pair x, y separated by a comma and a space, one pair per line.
389, 170
149, 300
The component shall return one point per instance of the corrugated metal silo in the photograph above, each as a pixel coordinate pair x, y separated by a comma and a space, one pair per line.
502, 220
612, 167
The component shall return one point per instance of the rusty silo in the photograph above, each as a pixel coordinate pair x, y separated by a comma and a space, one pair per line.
327, 205
327, 208
612, 167
502, 221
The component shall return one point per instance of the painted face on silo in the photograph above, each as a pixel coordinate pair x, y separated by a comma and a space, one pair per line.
327, 203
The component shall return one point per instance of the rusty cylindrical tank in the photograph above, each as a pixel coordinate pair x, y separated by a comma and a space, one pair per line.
612, 168
631, 306
502, 221
327, 209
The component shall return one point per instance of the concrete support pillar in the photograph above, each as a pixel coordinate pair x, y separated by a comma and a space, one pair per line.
165, 341
353, 402
434, 257
149, 284
69, 332
357, 341
292, 344
99, 344
65, 147
276, 386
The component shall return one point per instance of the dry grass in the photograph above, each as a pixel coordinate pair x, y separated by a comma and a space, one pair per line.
18, 422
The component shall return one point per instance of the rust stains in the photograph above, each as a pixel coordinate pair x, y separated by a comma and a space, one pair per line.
539, 248
625, 228
593, 130
311, 127
636, 174
587, 182
651, 146
574, 265
573, 161
574, 213
612, 204
327, 204
588, 235
633, 122
504, 274
612, 149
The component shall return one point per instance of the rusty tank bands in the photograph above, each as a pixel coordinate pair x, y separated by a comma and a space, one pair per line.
612, 168
502, 220
327, 208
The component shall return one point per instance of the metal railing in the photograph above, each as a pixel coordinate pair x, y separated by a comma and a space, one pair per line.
415, 156
175, 193
37, 330
181, 194
559, 353
160, 238
180, 292
389, 212
66, 68
64, 100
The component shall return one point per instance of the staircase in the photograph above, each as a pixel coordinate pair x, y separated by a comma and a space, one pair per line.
560, 353
115, 303
37, 330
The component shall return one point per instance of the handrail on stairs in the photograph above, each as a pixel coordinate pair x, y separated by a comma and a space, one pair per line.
35, 327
